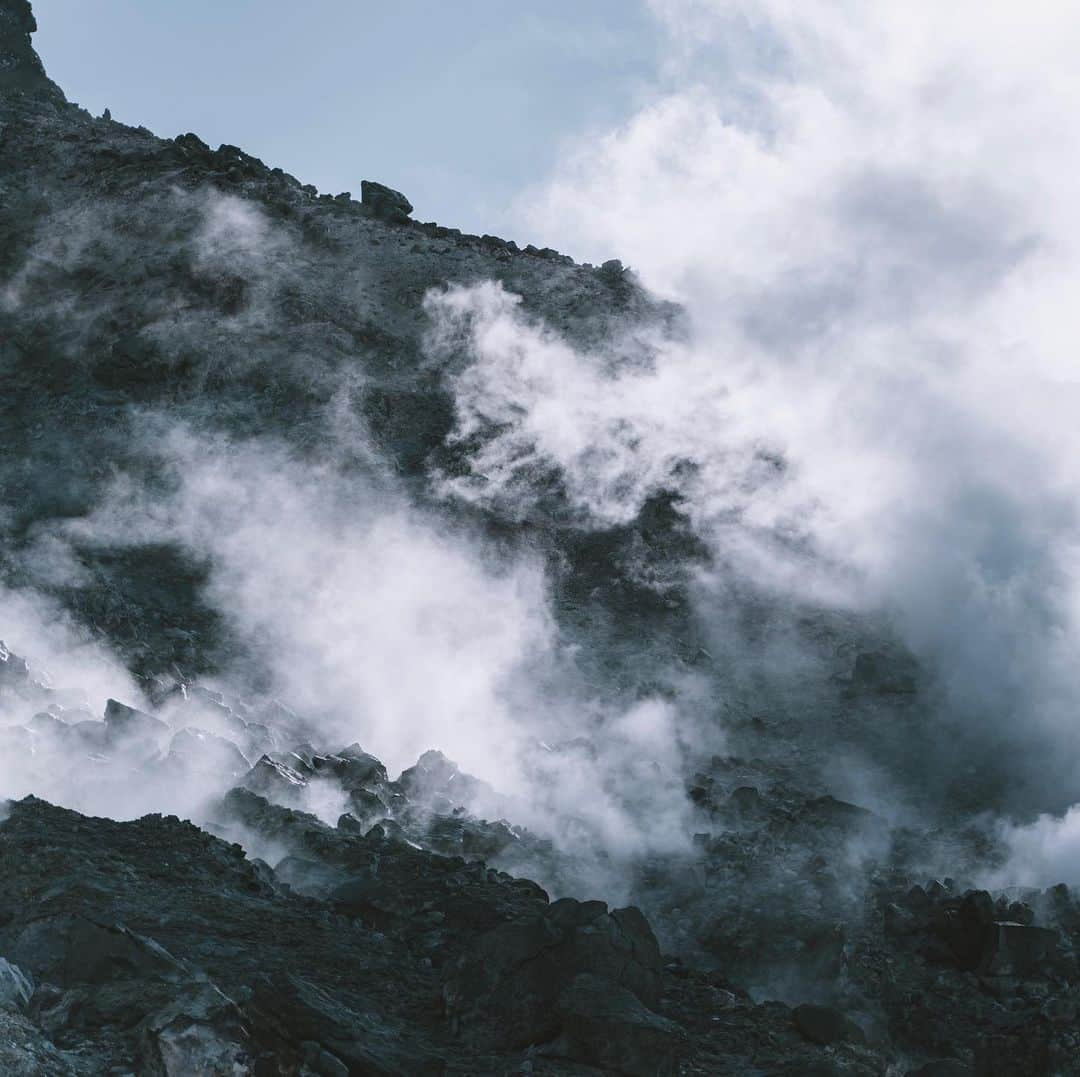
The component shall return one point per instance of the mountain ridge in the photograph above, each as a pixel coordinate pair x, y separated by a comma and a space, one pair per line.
245, 520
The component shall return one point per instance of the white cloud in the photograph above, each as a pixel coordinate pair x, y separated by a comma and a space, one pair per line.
869, 211
1042, 853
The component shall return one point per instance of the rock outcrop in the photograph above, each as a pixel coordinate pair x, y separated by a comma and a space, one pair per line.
21, 70
385, 203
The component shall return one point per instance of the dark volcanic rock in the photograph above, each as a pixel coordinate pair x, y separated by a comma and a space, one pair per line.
276, 780
384, 202
506, 989
157, 288
439, 782
298, 1011
73, 949
941, 1067
206, 751
198, 1031
153, 316
980, 941
607, 1026
1019, 949
13, 669
15, 985
20, 67
202, 966
133, 729
824, 1025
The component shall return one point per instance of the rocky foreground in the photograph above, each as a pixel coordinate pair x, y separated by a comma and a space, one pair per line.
268, 941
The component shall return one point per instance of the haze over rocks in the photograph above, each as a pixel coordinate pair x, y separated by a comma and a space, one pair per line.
291, 529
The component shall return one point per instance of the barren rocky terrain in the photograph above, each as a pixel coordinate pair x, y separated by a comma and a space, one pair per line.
213, 876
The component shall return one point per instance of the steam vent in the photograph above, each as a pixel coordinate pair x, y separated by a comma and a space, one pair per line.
411, 665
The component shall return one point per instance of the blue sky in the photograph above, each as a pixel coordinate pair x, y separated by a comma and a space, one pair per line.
460, 105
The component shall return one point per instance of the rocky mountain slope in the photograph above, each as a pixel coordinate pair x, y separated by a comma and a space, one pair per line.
185, 333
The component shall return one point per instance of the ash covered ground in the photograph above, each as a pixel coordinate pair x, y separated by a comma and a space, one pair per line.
362, 715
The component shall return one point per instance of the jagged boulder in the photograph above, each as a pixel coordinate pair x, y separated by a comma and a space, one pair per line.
353, 768
980, 941
48, 726
130, 729
607, 1026
20, 67
208, 752
440, 784
91, 736
311, 877
269, 821
199, 1031
68, 950
13, 669
276, 781
26, 1052
384, 202
361, 1041
506, 989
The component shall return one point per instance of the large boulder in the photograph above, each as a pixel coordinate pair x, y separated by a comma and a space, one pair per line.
199, 1031
133, 730
981, 942
271, 822
363, 778
299, 1010
207, 752
440, 784
384, 202
92, 737
67, 950
606, 1026
25, 1051
354, 768
49, 727
276, 781
505, 990
20, 68
13, 669
1019, 949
